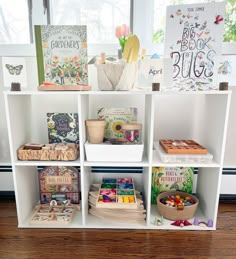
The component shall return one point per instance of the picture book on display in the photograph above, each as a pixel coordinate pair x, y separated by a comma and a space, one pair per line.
115, 118
193, 39
59, 183
62, 54
63, 127
171, 179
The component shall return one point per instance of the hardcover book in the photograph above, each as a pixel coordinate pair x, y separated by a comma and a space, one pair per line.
63, 127
115, 118
62, 54
193, 39
59, 183
171, 179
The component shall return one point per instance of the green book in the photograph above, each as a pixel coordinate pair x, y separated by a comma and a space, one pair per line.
171, 179
62, 54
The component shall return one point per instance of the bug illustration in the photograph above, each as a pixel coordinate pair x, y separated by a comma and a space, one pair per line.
219, 19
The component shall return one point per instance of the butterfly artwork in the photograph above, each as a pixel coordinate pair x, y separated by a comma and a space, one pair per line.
218, 19
14, 70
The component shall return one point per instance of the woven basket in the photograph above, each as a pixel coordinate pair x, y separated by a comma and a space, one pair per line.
172, 213
70, 154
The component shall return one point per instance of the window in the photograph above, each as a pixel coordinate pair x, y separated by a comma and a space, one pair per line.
14, 22
160, 10
101, 17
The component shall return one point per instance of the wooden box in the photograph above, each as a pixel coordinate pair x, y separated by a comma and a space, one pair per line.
50, 152
177, 146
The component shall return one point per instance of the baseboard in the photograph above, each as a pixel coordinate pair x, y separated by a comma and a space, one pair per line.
228, 198
7, 196
10, 196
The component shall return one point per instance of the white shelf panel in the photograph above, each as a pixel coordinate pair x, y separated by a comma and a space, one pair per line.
156, 161
48, 163
167, 223
143, 163
95, 222
76, 223
133, 92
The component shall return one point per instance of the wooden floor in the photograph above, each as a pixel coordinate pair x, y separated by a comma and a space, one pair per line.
83, 243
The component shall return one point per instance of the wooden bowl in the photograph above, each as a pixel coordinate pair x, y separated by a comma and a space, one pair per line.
172, 213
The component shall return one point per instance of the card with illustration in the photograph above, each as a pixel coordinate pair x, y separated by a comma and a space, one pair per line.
62, 54
14, 71
154, 71
63, 127
193, 39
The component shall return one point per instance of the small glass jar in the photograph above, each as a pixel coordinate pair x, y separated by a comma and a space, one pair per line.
132, 133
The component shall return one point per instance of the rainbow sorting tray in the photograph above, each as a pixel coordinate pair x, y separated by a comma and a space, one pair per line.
117, 193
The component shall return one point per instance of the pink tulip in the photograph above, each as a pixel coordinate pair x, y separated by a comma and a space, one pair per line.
118, 32
125, 30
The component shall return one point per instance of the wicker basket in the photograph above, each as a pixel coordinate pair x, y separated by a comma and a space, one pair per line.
70, 154
172, 213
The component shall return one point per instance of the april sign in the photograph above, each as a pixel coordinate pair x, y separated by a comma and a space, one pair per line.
194, 35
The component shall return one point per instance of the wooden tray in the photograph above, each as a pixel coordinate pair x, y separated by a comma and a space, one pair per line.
177, 146
122, 215
121, 194
70, 154
47, 215
64, 88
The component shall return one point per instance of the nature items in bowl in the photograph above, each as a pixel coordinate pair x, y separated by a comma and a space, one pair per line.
177, 205
96, 130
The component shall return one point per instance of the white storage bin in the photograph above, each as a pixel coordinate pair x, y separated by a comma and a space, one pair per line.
170, 158
113, 153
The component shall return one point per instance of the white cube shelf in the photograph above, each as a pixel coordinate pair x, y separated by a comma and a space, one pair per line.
202, 116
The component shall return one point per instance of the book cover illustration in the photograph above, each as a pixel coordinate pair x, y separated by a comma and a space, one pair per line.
62, 54
63, 127
193, 39
171, 179
59, 183
115, 118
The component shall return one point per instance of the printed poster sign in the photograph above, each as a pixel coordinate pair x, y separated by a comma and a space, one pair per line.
194, 36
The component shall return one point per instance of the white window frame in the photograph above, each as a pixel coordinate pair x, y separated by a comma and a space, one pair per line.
141, 25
